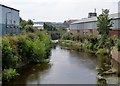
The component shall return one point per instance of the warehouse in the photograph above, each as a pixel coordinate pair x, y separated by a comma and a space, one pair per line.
89, 26
9, 20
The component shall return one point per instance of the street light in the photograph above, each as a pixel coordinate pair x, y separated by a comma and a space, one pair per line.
6, 20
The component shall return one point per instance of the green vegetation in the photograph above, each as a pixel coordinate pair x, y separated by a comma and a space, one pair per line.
101, 51
19, 50
26, 25
103, 26
55, 32
73, 37
9, 74
104, 22
100, 45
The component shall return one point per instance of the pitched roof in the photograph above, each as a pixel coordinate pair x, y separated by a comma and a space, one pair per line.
114, 16
7, 6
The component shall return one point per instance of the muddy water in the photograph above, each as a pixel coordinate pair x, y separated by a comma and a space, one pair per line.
65, 67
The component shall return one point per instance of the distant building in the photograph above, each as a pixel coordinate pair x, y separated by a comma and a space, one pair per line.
9, 20
68, 22
92, 14
89, 26
38, 26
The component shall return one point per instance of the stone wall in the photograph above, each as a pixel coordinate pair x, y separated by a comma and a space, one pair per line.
115, 55
116, 59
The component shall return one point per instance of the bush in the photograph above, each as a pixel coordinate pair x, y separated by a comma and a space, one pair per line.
67, 36
101, 52
29, 47
89, 46
8, 57
8, 74
92, 39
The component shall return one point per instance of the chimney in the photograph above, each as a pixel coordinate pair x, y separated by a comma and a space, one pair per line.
95, 10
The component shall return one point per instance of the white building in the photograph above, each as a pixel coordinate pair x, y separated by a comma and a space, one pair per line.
9, 20
38, 26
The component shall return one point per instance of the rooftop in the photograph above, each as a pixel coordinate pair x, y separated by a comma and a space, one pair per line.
114, 16
7, 6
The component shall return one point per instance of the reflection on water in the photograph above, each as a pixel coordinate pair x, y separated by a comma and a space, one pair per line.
65, 67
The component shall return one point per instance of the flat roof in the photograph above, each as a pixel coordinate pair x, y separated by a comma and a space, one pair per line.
93, 19
9, 7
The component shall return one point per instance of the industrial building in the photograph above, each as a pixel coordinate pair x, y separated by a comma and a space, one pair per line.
89, 25
9, 20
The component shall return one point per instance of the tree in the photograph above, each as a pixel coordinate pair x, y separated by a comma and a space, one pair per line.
23, 23
26, 25
104, 23
30, 22
29, 28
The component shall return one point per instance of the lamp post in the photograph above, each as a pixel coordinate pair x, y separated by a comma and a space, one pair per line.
6, 21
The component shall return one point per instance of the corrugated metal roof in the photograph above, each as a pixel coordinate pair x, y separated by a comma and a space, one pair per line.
7, 6
86, 20
114, 16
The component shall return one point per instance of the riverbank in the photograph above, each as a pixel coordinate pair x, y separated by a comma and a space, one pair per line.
65, 67
21, 50
92, 44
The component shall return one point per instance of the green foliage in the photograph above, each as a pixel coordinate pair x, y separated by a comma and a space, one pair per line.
92, 39
30, 22
101, 51
118, 44
73, 37
8, 74
26, 25
104, 23
55, 35
67, 37
89, 46
49, 27
23, 23
8, 57
29, 28
30, 47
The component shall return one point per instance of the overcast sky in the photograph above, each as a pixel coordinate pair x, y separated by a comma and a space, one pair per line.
60, 10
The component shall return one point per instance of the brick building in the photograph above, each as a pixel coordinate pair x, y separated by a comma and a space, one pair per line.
89, 26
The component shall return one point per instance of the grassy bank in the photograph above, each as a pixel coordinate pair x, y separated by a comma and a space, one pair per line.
90, 43
20, 50
94, 45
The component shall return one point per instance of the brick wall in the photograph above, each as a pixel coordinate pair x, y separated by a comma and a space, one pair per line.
112, 33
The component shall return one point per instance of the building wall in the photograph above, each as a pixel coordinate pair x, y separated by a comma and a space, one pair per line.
91, 27
114, 33
0, 20
10, 21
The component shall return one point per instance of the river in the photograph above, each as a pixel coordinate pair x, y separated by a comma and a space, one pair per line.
65, 67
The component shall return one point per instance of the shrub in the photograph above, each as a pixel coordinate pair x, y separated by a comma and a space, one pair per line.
89, 46
8, 74
8, 58
101, 51
25, 48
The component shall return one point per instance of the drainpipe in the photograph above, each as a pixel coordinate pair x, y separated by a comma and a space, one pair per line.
6, 22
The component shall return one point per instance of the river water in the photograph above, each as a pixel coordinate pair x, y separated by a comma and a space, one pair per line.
65, 67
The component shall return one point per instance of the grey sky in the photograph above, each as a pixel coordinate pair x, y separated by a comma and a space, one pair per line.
60, 10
